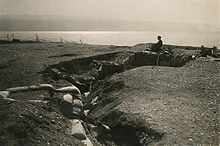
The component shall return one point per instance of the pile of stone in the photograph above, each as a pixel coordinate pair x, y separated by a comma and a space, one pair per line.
71, 106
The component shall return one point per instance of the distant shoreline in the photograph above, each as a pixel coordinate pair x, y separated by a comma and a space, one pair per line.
187, 47
121, 38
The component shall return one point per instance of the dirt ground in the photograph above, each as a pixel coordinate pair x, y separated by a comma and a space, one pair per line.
21, 63
182, 103
175, 105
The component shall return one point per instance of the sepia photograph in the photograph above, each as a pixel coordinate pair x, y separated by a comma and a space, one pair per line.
109, 72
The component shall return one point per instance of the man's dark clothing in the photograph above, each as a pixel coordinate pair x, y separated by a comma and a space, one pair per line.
156, 47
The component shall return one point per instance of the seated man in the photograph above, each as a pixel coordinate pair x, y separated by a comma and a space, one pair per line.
207, 51
157, 47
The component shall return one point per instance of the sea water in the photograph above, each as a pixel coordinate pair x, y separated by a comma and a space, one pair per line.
207, 39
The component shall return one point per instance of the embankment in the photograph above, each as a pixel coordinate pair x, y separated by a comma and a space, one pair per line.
95, 75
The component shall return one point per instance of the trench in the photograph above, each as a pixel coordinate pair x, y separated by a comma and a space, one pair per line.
82, 71
93, 74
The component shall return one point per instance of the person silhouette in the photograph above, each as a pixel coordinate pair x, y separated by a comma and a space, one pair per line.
157, 46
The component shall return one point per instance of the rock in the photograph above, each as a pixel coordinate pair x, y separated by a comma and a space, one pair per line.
4, 94
87, 142
94, 130
71, 89
68, 109
18, 89
86, 112
77, 112
42, 87
68, 98
106, 127
78, 103
78, 130
94, 100
66, 106
86, 94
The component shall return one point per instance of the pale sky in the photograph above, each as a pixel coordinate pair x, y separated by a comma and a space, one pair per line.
199, 11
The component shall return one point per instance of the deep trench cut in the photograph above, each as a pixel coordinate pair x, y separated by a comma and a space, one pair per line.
93, 73
81, 72
129, 130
